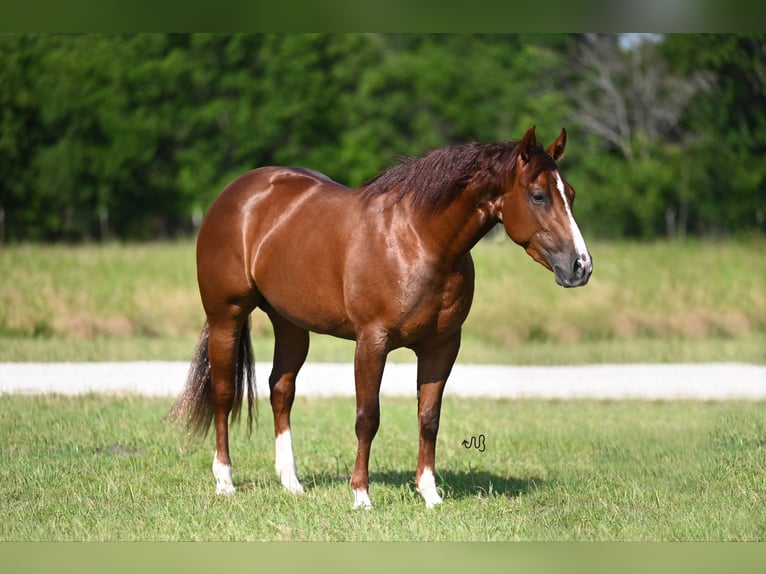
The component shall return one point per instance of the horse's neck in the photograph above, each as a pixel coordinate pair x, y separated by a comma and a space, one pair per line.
456, 229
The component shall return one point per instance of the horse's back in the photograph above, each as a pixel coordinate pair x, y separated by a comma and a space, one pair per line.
268, 194
283, 232
274, 180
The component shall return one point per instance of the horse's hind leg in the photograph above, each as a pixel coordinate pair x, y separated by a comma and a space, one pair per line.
223, 351
291, 345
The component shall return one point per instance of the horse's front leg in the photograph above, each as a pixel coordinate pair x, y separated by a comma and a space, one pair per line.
434, 366
369, 360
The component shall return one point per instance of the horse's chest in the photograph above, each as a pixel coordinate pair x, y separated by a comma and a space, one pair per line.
440, 304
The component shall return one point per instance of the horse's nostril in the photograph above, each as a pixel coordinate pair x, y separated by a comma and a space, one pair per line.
581, 266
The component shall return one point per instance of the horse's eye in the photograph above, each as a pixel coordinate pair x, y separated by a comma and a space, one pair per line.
538, 196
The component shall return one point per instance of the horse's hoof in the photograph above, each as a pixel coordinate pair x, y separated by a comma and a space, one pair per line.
292, 486
225, 489
433, 501
362, 500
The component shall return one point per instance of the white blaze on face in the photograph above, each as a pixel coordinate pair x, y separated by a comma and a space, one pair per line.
579, 242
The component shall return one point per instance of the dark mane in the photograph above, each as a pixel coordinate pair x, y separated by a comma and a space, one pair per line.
435, 179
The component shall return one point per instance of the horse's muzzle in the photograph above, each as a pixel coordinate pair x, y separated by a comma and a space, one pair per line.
575, 274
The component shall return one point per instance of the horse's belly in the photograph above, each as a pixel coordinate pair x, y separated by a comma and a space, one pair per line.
309, 313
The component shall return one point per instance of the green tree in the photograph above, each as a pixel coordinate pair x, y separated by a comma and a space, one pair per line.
432, 90
20, 135
132, 136
633, 105
725, 163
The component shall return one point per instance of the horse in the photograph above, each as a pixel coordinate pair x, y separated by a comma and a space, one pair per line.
386, 264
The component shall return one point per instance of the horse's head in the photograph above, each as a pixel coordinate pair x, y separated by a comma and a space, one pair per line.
537, 212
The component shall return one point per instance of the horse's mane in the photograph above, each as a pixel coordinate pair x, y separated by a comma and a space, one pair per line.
435, 180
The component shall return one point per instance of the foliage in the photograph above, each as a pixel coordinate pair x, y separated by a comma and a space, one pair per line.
131, 136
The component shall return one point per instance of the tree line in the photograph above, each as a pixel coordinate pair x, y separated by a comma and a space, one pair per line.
108, 136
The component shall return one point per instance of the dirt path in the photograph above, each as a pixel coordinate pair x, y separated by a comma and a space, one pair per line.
697, 381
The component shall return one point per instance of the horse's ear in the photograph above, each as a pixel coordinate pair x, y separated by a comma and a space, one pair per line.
556, 149
528, 144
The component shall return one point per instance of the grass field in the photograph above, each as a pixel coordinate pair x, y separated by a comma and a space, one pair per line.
106, 468
102, 468
658, 302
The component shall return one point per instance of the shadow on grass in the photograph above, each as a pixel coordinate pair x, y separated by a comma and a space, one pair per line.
474, 483
457, 485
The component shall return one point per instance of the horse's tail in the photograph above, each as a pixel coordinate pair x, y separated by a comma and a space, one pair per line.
195, 404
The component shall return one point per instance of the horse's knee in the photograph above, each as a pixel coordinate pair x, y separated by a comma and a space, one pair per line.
429, 426
281, 391
367, 421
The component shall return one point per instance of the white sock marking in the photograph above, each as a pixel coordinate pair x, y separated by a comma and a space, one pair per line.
427, 488
362, 499
284, 463
222, 472
579, 242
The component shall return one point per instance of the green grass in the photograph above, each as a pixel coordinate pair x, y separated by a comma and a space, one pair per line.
106, 468
747, 348
658, 302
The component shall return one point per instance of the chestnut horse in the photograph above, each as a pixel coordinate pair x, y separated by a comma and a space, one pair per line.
387, 265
